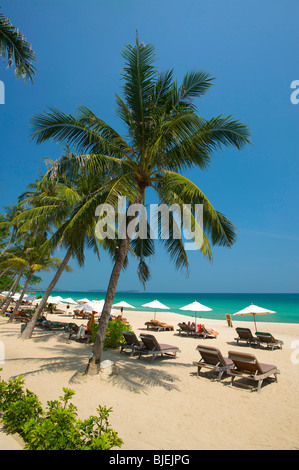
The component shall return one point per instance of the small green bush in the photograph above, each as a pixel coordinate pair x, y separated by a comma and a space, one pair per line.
57, 428
114, 333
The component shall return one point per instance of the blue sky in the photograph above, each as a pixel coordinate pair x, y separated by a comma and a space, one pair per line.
251, 50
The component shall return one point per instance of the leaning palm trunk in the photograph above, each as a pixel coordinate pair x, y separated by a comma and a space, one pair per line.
95, 361
27, 333
19, 301
10, 283
8, 244
12, 291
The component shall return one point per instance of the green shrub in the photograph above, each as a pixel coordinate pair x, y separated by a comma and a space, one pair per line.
11, 391
114, 333
57, 428
20, 411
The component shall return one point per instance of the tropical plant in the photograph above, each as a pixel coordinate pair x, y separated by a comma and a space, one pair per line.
166, 137
57, 427
18, 51
50, 203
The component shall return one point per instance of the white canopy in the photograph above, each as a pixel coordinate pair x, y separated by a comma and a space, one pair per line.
91, 307
69, 300
82, 301
254, 310
26, 297
123, 304
196, 307
155, 304
53, 299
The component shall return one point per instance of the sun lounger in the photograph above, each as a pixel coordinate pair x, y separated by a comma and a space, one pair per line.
269, 340
204, 332
244, 334
247, 365
22, 316
185, 328
55, 325
82, 315
212, 359
158, 326
152, 347
131, 342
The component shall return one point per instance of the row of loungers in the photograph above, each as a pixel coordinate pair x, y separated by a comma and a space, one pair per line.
202, 331
237, 364
245, 335
147, 346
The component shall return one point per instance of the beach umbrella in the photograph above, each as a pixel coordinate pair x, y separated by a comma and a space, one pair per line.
123, 304
82, 301
196, 307
69, 300
91, 307
155, 304
254, 310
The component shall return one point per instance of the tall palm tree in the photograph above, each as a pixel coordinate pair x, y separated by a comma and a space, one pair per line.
6, 225
36, 259
51, 203
165, 137
18, 51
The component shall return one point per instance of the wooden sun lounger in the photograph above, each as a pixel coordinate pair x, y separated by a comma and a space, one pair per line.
206, 332
212, 359
153, 348
131, 343
158, 326
187, 329
244, 334
247, 365
269, 340
55, 325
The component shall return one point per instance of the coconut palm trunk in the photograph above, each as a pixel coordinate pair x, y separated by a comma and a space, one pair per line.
19, 301
27, 333
95, 361
12, 291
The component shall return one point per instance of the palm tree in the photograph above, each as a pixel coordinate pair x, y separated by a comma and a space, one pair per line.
51, 203
18, 51
6, 225
36, 259
165, 136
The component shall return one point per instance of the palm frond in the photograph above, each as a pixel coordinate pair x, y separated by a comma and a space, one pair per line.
16, 49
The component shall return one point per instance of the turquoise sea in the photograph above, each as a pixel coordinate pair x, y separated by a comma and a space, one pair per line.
286, 306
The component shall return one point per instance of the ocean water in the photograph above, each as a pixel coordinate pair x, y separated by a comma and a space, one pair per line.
286, 306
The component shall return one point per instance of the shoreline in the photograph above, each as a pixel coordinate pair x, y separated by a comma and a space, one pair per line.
168, 406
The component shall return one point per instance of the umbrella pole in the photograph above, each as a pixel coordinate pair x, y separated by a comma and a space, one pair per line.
254, 322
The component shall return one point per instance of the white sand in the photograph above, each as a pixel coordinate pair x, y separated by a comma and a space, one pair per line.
164, 405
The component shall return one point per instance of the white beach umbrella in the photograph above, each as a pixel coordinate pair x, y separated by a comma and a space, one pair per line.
123, 304
82, 301
155, 304
69, 300
196, 307
91, 307
254, 310
54, 299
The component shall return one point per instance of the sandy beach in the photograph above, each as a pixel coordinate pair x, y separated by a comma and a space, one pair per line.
164, 405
